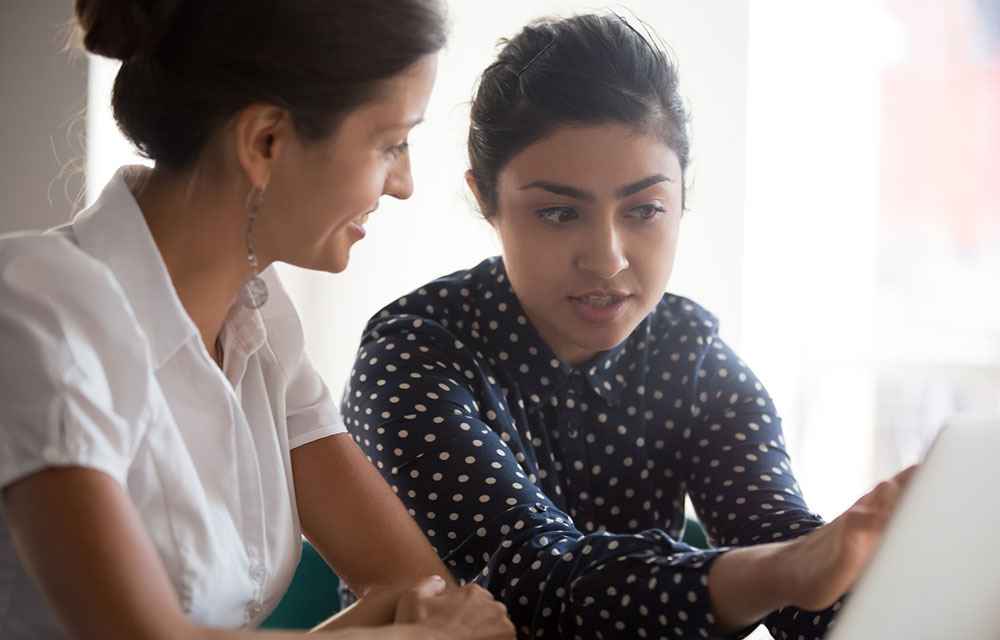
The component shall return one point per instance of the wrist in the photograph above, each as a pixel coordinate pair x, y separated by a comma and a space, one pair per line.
748, 583
776, 565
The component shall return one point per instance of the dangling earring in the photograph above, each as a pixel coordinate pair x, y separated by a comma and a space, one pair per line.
253, 292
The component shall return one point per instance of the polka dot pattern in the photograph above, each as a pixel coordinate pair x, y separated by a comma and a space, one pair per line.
562, 490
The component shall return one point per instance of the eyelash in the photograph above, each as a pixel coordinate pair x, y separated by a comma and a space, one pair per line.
647, 213
396, 150
653, 209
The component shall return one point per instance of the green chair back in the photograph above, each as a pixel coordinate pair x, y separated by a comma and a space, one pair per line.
311, 597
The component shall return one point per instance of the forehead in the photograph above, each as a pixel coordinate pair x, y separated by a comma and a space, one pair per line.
600, 157
400, 103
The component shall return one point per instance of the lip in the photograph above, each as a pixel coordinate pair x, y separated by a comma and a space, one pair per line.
356, 230
593, 314
356, 226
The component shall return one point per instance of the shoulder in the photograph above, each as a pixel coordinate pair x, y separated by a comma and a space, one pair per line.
675, 317
47, 253
281, 322
444, 308
77, 370
48, 279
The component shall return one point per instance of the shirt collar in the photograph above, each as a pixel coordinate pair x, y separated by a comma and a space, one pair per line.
533, 365
114, 231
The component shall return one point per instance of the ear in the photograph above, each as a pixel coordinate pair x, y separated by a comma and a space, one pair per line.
469, 180
261, 132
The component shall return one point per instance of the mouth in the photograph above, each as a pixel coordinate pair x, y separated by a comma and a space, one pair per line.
600, 307
601, 299
362, 219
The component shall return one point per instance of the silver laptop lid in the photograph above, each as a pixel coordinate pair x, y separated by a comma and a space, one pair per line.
936, 572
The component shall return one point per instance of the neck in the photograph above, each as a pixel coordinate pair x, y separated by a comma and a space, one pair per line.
200, 231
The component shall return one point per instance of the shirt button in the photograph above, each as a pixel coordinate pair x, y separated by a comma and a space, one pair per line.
257, 574
572, 427
254, 609
538, 507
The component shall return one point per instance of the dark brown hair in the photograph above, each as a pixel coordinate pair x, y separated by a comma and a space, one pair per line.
189, 65
588, 69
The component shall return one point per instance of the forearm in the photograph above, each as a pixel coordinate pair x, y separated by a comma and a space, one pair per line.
747, 584
339, 492
376, 607
394, 632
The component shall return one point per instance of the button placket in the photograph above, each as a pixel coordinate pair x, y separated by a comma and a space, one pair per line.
575, 460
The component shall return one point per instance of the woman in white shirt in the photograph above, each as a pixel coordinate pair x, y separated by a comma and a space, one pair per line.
164, 440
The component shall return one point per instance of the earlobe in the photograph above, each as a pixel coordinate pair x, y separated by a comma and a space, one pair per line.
469, 180
258, 134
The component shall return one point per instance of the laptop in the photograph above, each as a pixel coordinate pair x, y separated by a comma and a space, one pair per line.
936, 572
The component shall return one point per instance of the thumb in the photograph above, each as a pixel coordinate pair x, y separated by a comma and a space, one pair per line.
429, 587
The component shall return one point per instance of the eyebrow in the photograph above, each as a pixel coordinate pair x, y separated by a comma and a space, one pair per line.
588, 196
409, 124
636, 187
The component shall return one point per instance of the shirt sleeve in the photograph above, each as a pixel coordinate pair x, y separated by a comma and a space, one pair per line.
412, 407
310, 411
739, 474
76, 374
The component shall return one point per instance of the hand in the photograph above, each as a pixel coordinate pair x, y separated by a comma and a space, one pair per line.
824, 565
465, 613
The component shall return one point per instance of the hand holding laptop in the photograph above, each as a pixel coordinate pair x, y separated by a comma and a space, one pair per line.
817, 569
811, 572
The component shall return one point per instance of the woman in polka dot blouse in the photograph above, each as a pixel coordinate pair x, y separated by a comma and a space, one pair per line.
543, 414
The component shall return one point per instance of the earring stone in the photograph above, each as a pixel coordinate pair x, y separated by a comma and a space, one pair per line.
253, 292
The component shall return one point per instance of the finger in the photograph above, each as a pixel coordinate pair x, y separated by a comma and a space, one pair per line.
429, 587
903, 477
865, 521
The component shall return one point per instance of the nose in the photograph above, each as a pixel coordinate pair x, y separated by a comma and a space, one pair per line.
399, 181
603, 253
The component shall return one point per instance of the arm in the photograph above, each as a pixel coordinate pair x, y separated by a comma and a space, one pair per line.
810, 572
84, 545
475, 491
745, 494
339, 493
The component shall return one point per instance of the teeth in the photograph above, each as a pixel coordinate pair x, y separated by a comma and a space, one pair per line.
600, 301
362, 220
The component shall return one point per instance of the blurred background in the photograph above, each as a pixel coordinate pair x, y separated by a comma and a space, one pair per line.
844, 219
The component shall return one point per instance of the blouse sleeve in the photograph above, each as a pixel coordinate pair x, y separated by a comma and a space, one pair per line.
76, 374
411, 405
739, 473
310, 412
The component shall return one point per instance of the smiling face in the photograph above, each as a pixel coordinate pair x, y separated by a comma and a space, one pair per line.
588, 219
320, 196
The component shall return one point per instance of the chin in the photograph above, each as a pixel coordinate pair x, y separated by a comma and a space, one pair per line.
602, 341
337, 267
336, 261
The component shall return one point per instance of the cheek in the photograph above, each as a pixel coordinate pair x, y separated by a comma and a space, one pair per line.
535, 262
656, 260
362, 184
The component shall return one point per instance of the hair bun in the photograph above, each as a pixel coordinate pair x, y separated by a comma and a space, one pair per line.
124, 29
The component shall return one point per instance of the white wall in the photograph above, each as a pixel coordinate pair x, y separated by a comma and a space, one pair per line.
43, 92
437, 231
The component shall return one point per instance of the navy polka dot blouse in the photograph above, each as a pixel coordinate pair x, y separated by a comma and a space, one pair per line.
562, 490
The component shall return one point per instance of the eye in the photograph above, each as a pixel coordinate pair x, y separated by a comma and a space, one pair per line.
646, 211
397, 150
557, 215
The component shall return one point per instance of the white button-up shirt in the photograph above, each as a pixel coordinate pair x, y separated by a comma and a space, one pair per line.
101, 367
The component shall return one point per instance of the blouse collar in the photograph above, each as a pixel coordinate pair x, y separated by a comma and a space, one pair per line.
532, 364
114, 231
